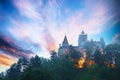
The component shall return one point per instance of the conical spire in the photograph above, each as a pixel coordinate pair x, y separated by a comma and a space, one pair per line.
82, 32
65, 41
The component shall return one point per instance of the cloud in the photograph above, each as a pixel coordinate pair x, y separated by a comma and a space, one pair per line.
38, 26
37, 17
27, 9
116, 39
10, 48
6, 61
50, 42
45, 22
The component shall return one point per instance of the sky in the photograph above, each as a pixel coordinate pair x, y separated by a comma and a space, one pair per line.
35, 27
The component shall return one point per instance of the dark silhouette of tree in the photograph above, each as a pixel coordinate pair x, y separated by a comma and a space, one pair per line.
15, 69
74, 54
112, 53
13, 72
99, 57
65, 68
36, 74
53, 56
2, 77
35, 61
22, 64
113, 49
89, 49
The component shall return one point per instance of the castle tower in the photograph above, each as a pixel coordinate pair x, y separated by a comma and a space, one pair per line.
102, 42
64, 48
82, 39
65, 42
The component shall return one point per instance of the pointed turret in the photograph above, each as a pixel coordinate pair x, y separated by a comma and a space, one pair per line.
82, 32
65, 41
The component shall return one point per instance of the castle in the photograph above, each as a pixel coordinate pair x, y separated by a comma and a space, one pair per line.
83, 44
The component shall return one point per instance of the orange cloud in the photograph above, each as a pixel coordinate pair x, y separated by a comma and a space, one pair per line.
5, 61
50, 42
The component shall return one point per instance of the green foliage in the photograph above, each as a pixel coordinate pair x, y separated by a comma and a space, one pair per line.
89, 49
60, 69
35, 61
15, 69
112, 47
36, 74
74, 54
53, 56
1, 77
13, 72
112, 50
64, 68
99, 57
67, 71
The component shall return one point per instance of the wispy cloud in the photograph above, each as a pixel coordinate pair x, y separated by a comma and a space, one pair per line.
40, 25
6, 61
116, 38
50, 43
10, 48
37, 17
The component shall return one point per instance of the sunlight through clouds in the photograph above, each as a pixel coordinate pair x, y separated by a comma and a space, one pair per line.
47, 15
39, 26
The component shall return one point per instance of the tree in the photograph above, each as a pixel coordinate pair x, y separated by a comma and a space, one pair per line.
22, 64
53, 56
112, 49
13, 72
74, 54
64, 70
112, 52
2, 76
36, 74
89, 49
16, 68
99, 57
35, 61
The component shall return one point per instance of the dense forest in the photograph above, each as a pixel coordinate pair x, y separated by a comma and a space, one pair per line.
99, 66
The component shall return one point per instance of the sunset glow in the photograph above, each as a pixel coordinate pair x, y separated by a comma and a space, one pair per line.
6, 61
36, 27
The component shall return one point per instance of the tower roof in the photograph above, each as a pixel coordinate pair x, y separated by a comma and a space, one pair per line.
65, 41
82, 32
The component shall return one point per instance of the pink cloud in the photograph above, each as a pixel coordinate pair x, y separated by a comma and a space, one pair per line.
116, 38
92, 19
